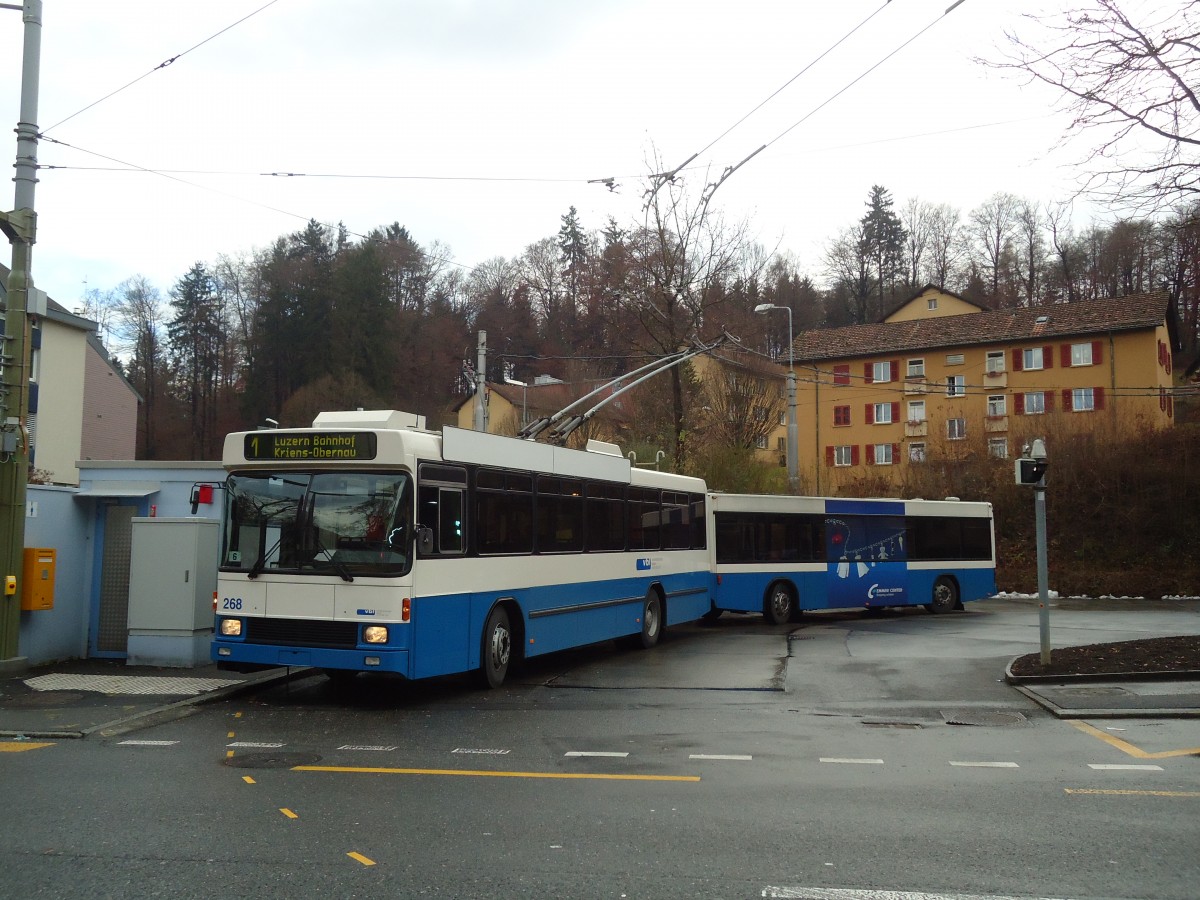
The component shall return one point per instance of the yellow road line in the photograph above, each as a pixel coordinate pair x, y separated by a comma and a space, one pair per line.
288, 813
1125, 746
480, 773
362, 859
1130, 793
20, 746
248, 779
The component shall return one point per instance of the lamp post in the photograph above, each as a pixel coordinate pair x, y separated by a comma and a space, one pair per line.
793, 429
524, 398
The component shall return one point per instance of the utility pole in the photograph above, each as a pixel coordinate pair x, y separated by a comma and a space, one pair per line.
20, 226
481, 410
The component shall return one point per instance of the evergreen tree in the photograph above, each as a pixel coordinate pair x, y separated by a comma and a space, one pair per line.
883, 242
195, 338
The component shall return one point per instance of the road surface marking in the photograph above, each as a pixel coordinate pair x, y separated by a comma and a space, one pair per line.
1127, 767
840, 759
1126, 747
288, 813
148, 743
482, 751
816, 893
360, 858
376, 770
254, 745
248, 779
1130, 793
720, 756
987, 765
20, 746
380, 748
595, 753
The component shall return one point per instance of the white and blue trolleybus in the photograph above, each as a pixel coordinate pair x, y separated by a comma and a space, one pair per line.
369, 543
781, 555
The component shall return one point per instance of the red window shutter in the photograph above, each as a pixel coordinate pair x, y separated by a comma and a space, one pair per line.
1019, 404
869, 414
1064, 352
1097, 353
1162, 399
896, 454
829, 457
1047, 357
1170, 406
1098, 397
895, 370
870, 454
1048, 398
841, 374
854, 455
896, 411
1067, 407
868, 374
1018, 361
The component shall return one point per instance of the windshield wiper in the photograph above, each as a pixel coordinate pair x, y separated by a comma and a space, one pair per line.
337, 565
261, 562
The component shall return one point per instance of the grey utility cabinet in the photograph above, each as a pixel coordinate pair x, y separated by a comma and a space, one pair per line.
172, 576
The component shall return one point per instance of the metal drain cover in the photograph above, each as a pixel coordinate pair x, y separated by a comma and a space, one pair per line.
271, 760
40, 699
1092, 691
983, 717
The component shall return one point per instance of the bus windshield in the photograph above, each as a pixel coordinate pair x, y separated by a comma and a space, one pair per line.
341, 523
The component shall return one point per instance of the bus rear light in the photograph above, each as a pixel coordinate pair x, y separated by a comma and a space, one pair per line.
405, 609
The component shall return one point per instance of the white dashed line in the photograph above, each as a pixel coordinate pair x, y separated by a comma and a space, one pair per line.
986, 765
1132, 768
484, 751
594, 753
380, 749
149, 743
255, 746
720, 756
840, 759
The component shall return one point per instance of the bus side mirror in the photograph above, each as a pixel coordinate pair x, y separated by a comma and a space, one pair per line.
424, 540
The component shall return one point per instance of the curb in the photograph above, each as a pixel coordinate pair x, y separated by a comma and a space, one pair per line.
1060, 712
1181, 675
174, 709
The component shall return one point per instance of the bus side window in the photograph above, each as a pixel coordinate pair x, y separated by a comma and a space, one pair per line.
441, 511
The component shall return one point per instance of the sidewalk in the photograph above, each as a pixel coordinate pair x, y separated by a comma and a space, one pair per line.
1114, 696
78, 698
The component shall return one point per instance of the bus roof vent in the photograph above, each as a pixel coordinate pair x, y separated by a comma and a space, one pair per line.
390, 419
595, 446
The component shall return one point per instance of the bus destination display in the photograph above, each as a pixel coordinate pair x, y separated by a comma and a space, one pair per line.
311, 445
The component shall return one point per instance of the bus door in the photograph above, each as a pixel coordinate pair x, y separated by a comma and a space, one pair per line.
865, 560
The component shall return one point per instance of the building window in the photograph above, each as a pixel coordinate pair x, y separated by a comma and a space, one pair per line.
883, 414
916, 368
882, 454
841, 415
995, 361
955, 359
916, 453
1083, 400
956, 429
1035, 403
843, 456
916, 410
997, 405
762, 443
1081, 354
956, 385
1032, 358
881, 372
932, 303
998, 448
841, 374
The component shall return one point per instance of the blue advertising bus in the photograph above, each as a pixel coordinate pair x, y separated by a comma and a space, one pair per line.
781, 555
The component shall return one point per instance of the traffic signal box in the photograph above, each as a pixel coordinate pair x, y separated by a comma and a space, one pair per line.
37, 581
1030, 471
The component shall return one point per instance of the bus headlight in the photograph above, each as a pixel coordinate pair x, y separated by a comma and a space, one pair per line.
375, 634
231, 627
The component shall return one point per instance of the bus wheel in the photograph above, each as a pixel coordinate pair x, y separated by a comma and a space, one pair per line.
779, 605
497, 649
945, 596
651, 621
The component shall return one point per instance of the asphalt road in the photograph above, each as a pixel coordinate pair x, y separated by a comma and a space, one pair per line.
850, 754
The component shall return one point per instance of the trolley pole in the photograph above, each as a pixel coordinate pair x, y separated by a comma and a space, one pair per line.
20, 227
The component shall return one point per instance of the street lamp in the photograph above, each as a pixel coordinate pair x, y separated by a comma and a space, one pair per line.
793, 430
524, 397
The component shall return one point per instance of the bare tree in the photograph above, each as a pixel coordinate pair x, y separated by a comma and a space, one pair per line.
1131, 83
917, 216
1031, 251
848, 268
139, 322
945, 244
992, 226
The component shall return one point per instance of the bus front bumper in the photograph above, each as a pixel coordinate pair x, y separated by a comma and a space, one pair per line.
380, 660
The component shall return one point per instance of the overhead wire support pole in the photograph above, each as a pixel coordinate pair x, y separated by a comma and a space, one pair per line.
560, 433
20, 226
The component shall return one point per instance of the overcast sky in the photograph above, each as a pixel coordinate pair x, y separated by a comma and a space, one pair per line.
478, 124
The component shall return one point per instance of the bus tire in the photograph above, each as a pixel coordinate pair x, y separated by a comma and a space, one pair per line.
652, 622
945, 596
497, 648
780, 603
